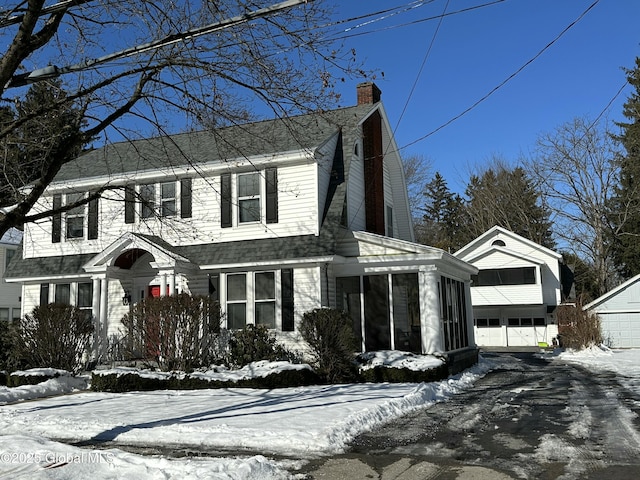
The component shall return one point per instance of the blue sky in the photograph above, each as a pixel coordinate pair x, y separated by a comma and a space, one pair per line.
431, 77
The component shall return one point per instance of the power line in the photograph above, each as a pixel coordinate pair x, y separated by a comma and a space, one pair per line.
504, 82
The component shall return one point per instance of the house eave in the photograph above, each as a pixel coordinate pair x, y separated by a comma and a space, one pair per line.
211, 168
269, 263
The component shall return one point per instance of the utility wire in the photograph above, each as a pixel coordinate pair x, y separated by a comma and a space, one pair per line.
503, 83
424, 61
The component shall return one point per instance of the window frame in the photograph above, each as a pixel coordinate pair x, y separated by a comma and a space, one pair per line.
260, 301
147, 196
75, 214
254, 198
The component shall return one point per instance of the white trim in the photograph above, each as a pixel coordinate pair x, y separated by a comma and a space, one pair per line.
611, 293
300, 156
462, 252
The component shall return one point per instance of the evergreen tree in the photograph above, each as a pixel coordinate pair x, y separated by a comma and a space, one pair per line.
39, 125
626, 202
506, 197
442, 214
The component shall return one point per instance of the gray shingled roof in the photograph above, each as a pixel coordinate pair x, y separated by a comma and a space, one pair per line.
46, 267
273, 136
248, 251
266, 137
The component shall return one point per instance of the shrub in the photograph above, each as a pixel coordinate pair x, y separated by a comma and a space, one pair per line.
114, 382
7, 346
330, 335
254, 343
175, 332
577, 328
54, 336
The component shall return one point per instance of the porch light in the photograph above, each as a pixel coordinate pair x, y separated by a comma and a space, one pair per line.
126, 299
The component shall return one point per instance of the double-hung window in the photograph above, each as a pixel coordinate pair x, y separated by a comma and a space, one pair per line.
147, 200
265, 299
75, 217
168, 199
236, 301
62, 293
84, 298
249, 197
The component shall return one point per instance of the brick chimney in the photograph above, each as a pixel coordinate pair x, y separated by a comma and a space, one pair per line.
368, 93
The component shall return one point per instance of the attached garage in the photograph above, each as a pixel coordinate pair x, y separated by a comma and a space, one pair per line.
619, 312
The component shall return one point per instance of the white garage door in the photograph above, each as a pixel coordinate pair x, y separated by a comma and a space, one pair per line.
621, 330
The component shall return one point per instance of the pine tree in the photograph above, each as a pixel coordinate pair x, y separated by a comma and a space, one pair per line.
506, 197
41, 123
626, 203
442, 213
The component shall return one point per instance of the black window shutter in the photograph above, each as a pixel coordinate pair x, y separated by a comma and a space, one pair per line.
288, 323
271, 175
185, 198
44, 294
92, 221
56, 221
225, 200
129, 204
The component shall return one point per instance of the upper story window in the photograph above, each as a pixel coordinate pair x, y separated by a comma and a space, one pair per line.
504, 276
147, 200
9, 253
165, 199
249, 197
80, 222
75, 217
389, 220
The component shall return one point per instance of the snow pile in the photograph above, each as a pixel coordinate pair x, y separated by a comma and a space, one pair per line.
42, 372
397, 359
259, 369
37, 458
54, 386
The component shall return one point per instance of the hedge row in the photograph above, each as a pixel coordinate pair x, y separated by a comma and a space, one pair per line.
380, 374
128, 382
13, 380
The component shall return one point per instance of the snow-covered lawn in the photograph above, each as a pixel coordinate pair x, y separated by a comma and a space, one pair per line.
298, 423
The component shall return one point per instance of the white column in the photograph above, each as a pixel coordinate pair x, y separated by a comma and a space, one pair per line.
95, 301
95, 311
163, 284
469, 307
172, 283
104, 307
430, 322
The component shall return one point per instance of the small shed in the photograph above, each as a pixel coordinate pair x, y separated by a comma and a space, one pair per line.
619, 312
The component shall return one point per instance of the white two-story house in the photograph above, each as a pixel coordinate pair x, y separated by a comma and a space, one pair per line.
516, 290
273, 219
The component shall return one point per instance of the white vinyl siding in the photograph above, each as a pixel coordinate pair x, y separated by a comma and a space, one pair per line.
297, 215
